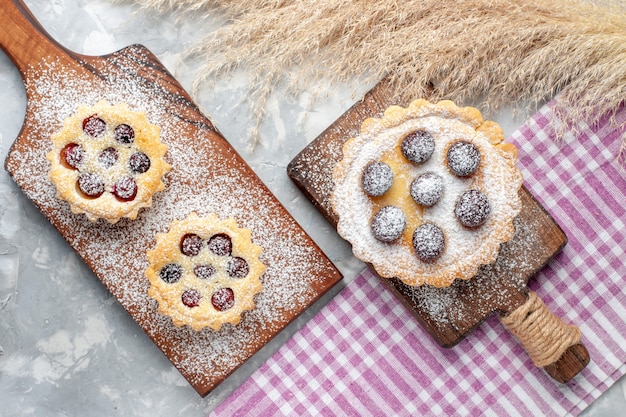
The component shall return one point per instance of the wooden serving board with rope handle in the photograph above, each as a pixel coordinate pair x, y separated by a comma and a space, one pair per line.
297, 273
448, 314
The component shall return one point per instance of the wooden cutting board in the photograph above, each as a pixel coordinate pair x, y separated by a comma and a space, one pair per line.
448, 314
207, 176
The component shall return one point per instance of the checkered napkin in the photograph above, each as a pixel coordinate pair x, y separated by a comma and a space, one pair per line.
363, 354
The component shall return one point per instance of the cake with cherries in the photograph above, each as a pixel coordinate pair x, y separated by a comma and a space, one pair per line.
204, 272
107, 162
428, 193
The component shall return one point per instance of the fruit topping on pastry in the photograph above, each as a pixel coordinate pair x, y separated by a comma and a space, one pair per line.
418, 146
377, 178
427, 189
204, 272
107, 162
463, 158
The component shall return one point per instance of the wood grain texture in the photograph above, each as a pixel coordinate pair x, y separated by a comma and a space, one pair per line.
448, 314
204, 358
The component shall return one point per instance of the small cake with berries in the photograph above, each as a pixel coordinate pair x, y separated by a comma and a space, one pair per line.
107, 162
204, 272
428, 193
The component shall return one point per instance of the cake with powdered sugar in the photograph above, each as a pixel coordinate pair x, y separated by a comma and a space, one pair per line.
204, 272
428, 193
107, 161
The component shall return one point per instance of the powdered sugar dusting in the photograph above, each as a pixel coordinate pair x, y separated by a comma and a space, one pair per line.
427, 189
207, 176
388, 224
465, 248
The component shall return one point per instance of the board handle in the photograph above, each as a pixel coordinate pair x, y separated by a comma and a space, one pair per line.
22, 37
551, 344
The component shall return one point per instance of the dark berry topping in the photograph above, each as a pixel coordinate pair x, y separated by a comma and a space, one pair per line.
108, 157
191, 298
94, 126
204, 271
418, 146
91, 185
388, 224
125, 189
171, 273
473, 208
191, 244
376, 179
463, 158
124, 134
223, 299
221, 244
139, 162
72, 155
427, 189
428, 242
237, 267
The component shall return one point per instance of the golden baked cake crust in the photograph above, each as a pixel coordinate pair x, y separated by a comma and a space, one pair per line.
427, 193
204, 272
107, 162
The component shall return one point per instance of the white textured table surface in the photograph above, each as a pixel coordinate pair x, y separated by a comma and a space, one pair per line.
67, 348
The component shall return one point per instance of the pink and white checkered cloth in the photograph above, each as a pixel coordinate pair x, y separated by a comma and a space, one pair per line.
363, 354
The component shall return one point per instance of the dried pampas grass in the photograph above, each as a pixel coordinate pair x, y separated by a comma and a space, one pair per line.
487, 52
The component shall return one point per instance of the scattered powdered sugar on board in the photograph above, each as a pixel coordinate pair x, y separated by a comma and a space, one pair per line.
207, 176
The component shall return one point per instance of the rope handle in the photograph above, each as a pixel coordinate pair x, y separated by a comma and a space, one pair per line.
544, 336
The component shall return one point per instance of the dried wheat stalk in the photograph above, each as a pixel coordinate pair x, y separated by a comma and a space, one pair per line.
500, 52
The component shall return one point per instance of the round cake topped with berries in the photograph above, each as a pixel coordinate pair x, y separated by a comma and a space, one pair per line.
428, 193
205, 272
107, 162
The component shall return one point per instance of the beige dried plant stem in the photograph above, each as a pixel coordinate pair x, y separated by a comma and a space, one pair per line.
501, 52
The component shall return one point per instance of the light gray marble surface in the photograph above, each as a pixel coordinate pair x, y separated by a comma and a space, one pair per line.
67, 348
